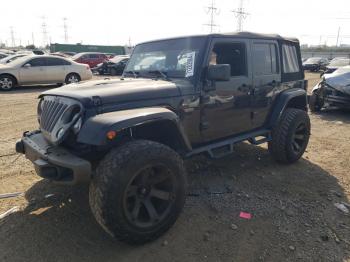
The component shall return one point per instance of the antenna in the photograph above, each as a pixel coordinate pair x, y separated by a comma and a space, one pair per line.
12, 37
65, 27
241, 15
44, 30
213, 10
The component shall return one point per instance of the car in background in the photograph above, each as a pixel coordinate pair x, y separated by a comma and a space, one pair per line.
90, 58
335, 64
315, 64
70, 54
113, 66
44, 69
3, 55
11, 58
333, 90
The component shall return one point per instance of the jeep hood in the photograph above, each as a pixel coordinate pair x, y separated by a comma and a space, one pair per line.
117, 91
339, 80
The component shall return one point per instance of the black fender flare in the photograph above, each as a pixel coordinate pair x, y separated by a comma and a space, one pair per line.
94, 130
282, 102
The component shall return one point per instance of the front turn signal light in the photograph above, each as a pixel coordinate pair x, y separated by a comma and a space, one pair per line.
111, 134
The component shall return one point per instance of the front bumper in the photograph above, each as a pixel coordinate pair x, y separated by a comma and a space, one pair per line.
53, 162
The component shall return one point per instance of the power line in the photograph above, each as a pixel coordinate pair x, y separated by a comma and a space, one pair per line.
212, 10
241, 15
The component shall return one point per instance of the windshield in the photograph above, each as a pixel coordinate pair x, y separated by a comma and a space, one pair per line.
340, 62
177, 58
313, 60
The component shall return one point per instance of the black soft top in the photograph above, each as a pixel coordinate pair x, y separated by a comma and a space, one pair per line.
249, 35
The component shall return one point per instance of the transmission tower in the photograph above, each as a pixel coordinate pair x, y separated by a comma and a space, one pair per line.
65, 28
241, 15
212, 10
44, 31
13, 41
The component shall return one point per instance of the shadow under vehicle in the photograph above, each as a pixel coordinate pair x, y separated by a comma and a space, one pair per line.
177, 98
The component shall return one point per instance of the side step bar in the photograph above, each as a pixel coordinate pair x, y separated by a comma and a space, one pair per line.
225, 147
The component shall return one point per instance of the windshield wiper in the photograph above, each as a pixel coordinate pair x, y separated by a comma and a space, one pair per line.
160, 73
135, 74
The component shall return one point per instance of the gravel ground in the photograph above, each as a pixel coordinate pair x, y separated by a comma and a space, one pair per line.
294, 217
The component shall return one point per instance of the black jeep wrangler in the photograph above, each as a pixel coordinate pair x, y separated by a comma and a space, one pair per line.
177, 97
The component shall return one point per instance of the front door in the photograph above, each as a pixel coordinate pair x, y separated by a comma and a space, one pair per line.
33, 72
226, 110
266, 79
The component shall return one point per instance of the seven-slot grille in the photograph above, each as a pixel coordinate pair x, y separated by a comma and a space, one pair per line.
52, 111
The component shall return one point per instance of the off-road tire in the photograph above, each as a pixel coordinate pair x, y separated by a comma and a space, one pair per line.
315, 104
110, 182
283, 136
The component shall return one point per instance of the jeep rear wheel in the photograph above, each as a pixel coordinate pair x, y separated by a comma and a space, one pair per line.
138, 191
290, 136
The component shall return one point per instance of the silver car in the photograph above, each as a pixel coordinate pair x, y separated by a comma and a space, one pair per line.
44, 69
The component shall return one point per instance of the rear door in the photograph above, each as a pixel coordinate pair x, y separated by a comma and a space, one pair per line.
226, 110
56, 70
35, 73
266, 79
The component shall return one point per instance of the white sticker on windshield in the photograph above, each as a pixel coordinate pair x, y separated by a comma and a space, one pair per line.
190, 64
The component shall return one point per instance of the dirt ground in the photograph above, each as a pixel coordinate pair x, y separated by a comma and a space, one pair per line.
292, 207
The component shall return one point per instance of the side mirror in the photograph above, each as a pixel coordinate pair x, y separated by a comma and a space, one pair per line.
220, 72
27, 65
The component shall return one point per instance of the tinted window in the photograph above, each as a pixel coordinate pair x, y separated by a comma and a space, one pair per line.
265, 59
233, 54
290, 59
37, 62
93, 56
56, 61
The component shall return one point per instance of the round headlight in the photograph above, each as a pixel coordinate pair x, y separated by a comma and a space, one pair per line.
60, 133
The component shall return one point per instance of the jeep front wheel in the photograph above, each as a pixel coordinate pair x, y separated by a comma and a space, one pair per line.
138, 191
290, 136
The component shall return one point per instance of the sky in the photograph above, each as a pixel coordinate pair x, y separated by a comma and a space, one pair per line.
115, 22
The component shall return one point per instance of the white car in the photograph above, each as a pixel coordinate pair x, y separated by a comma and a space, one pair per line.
11, 58
43, 69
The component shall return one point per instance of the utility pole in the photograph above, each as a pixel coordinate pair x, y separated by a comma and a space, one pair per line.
65, 27
336, 45
241, 15
44, 31
213, 10
12, 37
33, 38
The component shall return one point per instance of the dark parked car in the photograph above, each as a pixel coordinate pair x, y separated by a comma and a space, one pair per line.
315, 64
113, 66
91, 59
333, 90
177, 98
335, 64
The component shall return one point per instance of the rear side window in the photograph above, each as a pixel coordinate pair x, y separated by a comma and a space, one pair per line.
56, 62
265, 59
290, 59
94, 56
